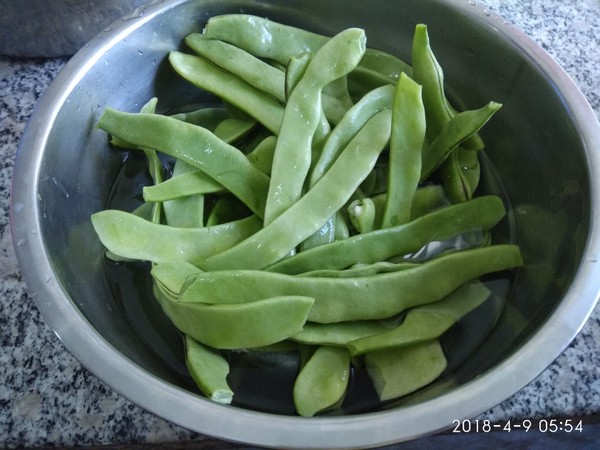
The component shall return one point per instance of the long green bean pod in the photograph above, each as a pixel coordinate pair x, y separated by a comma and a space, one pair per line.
196, 146
256, 103
322, 382
481, 213
341, 299
209, 371
251, 69
303, 111
239, 326
406, 144
268, 39
162, 243
455, 131
425, 322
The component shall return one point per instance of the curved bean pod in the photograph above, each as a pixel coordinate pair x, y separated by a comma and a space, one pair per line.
195, 146
406, 144
162, 243
209, 371
303, 111
201, 73
481, 213
268, 39
357, 298
251, 69
397, 372
425, 322
457, 130
238, 326
322, 382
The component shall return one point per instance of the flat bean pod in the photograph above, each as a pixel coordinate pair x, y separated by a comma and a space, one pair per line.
457, 130
195, 146
253, 324
338, 334
322, 382
251, 69
256, 103
303, 111
358, 298
425, 322
480, 213
406, 144
397, 372
209, 371
268, 39
162, 243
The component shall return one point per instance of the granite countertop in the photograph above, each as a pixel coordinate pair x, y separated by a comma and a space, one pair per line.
48, 399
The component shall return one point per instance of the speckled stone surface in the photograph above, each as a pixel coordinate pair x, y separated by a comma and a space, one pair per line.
48, 399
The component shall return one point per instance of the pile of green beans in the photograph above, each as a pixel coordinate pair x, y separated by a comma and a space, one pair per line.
328, 203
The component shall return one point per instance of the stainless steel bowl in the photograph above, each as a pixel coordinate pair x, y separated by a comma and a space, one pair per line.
544, 144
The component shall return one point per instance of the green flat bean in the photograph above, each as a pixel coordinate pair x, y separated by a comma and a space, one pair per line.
343, 299
199, 72
310, 213
460, 183
338, 334
322, 382
406, 144
196, 146
239, 326
296, 69
271, 40
425, 322
362, 214
457, 130
429, 74
191, 183
208, 118
397, 372
361, 270
173, 274
209, 371
185, 212
251, 69
162, 243
479, 213
352, 121
303, 111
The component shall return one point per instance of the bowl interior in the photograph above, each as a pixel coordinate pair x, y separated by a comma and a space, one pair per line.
534, 158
